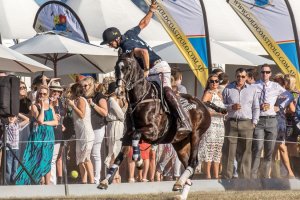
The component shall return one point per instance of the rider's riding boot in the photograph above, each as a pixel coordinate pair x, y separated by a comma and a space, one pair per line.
183, 124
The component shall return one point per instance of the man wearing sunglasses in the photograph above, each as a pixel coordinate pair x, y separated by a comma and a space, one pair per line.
266, 129
242, 105
130, 42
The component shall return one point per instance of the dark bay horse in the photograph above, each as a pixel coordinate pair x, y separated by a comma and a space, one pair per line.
145, 116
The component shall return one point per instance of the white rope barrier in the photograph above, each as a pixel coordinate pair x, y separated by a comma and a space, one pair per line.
58, 141
70, 140
276, 141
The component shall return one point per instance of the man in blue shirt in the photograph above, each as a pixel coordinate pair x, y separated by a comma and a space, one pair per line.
242, 105
149, 61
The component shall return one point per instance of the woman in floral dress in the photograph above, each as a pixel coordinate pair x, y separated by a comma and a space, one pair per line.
210, 147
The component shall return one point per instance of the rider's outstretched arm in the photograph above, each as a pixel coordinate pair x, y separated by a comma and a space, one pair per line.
146, 20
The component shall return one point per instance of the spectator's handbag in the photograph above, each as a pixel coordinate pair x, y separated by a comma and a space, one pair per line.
58, 129
69, 125
291, 127
297, 128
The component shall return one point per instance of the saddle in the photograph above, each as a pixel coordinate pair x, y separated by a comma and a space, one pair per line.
159, 91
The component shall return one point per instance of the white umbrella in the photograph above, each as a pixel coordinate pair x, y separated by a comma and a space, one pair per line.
97, 15
220, 54
13, 61
67, 56
16, 18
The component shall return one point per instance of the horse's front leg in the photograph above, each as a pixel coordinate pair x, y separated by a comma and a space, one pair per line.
136, 152
135, 145
114, 168
192, 147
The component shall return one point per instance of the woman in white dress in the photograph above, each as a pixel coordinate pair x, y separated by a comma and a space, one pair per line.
98, 104
210, 147
84, 132
115, 127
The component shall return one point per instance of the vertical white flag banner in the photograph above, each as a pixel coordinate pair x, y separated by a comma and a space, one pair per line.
184, 21
271, 23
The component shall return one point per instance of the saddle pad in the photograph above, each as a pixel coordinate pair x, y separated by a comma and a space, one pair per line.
186, 104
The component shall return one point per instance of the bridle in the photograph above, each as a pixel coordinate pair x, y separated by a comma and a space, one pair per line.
129, 84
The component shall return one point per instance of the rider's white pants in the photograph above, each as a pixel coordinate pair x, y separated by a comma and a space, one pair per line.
164, 68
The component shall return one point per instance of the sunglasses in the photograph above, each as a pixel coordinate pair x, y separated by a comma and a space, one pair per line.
84, 86
265, 72
23, 88
214, 81
239, 76
42, 94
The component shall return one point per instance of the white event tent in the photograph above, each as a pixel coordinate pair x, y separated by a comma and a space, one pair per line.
220, 53
225, 26
97, 15
16, 18
295, 5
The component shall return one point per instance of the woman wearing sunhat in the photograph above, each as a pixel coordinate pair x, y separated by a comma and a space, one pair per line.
56, 91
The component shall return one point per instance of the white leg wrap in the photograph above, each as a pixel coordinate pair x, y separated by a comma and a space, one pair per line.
114, 166
186, 174
135, 143
108, 176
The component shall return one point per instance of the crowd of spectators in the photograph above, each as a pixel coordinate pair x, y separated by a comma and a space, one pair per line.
259, 128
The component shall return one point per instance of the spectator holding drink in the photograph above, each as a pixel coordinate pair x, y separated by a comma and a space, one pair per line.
242, 105
266, 128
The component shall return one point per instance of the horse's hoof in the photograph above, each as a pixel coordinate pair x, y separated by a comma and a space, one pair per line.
140, 164
103, 185
178, 186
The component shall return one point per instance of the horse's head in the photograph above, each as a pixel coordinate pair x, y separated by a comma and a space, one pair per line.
126, 72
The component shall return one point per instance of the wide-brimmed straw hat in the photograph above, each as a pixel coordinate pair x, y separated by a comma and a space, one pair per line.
55, 85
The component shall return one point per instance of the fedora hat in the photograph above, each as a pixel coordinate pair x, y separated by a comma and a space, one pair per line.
55, 85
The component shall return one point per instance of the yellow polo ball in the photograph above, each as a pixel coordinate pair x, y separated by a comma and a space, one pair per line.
74, 174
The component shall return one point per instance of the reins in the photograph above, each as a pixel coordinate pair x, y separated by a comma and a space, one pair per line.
129, 85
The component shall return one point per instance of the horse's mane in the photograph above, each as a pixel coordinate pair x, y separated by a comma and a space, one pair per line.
126, 56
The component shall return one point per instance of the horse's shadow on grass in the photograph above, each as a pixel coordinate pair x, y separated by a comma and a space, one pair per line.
259, 184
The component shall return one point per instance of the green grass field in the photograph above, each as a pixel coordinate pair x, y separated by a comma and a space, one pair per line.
230, 195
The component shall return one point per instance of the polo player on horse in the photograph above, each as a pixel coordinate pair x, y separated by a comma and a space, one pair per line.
151, 63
